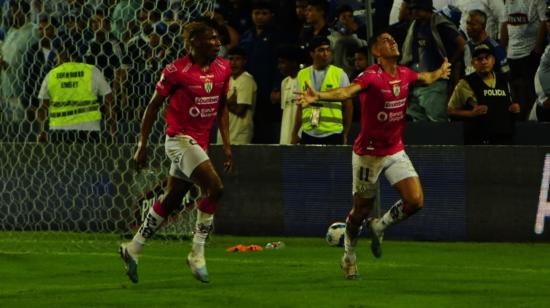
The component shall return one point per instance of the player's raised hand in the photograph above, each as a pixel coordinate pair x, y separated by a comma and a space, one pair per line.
306, 97
445, 69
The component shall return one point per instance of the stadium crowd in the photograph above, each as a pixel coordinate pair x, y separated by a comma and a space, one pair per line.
272, 44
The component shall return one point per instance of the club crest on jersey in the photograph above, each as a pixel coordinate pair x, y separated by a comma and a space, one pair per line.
396, 89
208, 86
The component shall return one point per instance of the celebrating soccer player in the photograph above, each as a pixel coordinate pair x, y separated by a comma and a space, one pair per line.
197, 86
383, 90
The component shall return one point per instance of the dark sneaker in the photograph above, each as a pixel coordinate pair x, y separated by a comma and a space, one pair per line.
130, 263
377, 236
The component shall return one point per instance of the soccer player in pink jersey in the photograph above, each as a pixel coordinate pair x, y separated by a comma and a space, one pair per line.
383, 90
196, 86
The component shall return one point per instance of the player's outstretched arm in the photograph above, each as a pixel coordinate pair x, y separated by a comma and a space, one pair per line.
310, 96
443, 72
140, 157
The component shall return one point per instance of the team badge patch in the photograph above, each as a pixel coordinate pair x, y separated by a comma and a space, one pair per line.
396, 89
208, 86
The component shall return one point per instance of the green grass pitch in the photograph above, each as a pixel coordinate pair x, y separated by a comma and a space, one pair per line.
61, 270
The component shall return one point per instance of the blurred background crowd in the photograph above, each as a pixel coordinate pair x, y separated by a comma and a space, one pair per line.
269, 42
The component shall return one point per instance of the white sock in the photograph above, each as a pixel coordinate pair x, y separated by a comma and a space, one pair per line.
350, 238
203, 227
150, 225
394, 215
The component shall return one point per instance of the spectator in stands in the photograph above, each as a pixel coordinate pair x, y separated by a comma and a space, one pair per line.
399, 29
475, 27
74, 29
104, 51
136, 80
19, 38
260, 43
361, 62
523, 36
39, 60
300, 10
494, 12
344, 39
394, 14
288, 59
430, 39
316, 24
240, 99
541, 109
229, 35
70, 97
237, 13
482, 99
323, 122
123, 13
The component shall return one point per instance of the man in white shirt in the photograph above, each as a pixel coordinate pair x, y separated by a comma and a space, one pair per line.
240, 99
523, 34
494, 9
288, 62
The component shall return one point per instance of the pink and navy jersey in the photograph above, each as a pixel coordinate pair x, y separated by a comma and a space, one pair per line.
194, 97
383, 104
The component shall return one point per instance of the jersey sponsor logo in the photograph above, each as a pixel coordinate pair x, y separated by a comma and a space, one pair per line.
494, 92
382, 116
206, 100
517, 19
395, 104
194, 111
202, 112
396, 116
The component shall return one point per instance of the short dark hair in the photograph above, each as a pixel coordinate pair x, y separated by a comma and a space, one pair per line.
374, 38
342, 9
262, 5
319, 4
364, 50
70, 51
236, 51
317, 41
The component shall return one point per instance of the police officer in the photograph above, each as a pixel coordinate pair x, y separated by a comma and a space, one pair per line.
482, 99
70, 97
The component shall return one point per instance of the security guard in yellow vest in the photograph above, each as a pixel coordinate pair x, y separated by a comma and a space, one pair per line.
323, 122
70, 93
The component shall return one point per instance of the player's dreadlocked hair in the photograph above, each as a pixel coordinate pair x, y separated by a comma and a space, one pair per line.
192, 30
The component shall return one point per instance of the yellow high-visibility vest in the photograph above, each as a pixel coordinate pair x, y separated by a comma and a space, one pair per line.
72, 100
330, 117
